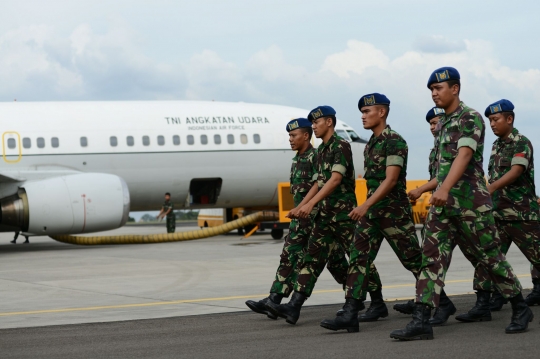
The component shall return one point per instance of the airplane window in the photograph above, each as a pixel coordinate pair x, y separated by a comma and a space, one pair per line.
343, 134
130, 141
84, 141
204, 139
26, 142
243, 139
146, 140
114, 141
54, 142
190, 140
256, 138
160, 140
11, 143
40, 142
176, 140
217, 139
230, 139
355, 137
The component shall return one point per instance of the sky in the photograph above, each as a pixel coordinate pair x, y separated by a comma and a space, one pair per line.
296, 53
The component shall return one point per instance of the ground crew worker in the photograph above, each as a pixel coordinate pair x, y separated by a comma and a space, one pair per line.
387, 213
14, 241
167, 211
515, 206
461, 212
334, 197
303, 169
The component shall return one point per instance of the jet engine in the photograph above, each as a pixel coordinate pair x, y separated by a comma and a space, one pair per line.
79, 203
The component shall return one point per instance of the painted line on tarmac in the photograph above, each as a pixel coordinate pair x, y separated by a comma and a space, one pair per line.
183, 301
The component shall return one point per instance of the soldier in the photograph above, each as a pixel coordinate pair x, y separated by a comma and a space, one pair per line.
460, 212
168, 211
387, 213
515, 207
334, 196
303, 169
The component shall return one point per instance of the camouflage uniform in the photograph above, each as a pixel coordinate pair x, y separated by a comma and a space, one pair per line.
390, 218
466, 219
303, 168
171, 218
332, 228
515, 207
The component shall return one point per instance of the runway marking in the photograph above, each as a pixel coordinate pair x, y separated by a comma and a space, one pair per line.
173, 302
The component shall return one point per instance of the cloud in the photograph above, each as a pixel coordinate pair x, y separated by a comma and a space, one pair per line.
438, 45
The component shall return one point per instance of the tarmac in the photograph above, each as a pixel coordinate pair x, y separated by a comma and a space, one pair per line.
186, 299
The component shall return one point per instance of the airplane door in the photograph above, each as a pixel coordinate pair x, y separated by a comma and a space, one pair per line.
11, 147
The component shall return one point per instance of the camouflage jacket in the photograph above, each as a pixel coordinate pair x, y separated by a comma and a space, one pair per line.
303, 169
463, 128
336, 156
388, 149
166, 206
517, 201
433, 160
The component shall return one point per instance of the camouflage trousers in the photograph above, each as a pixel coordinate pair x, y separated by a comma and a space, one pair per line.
526, 235
171, 224
325, 238
292, 256
475, 232
400, 234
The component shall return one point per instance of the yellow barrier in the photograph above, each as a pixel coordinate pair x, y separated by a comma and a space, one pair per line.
169, 237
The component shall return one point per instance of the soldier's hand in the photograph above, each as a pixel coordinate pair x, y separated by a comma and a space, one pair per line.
292, 213
304, 211
359, 212
414, 194
439, 198
490, 190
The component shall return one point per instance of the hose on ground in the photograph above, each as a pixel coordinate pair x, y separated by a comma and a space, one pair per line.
169, 237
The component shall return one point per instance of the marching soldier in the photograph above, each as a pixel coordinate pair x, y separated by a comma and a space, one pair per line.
333, 195
387, 213
460, 212
167, 211
515, 206
303, 169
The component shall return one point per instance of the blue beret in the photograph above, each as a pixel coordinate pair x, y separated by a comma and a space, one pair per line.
321, 111
373, 99
443, 74
434, 112
499, 106
298, 123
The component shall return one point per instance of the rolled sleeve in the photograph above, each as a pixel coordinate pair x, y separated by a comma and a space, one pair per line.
339, 169
520, 161
395, 161
467, 142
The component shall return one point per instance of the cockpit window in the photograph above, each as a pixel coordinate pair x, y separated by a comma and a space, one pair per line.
343, 134
355, 137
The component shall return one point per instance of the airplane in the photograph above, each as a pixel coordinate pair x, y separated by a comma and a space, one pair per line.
80, 167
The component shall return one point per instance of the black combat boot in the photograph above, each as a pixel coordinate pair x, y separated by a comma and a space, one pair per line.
419, 328
497, 301
342, 310
348, 320
259, 307
534, 297
522, 315
480, 312
377, 308
405, 308
289, 311
443, 312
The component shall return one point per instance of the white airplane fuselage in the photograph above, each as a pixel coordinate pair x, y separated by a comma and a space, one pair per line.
206, 154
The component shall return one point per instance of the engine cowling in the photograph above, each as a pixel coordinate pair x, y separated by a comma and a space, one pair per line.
79, 203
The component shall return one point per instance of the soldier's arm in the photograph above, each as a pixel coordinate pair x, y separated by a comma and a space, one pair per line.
168, 211
312, 192
427, 187
328, 188
160, 213
392, 176
508, 178
457, 170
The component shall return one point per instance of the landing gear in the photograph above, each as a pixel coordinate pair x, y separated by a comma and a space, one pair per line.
277, 233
